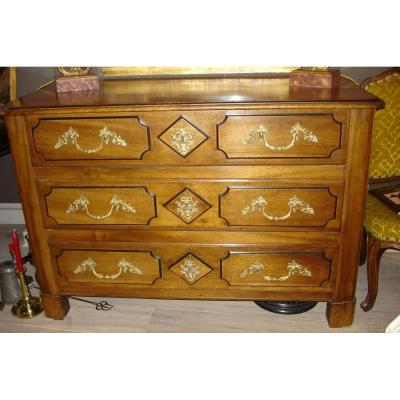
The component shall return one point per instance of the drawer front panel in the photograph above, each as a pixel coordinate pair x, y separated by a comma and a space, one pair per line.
277, 269
274, 206
135, 267
105, 205
279, 136
93, 267
190, 204
119, 138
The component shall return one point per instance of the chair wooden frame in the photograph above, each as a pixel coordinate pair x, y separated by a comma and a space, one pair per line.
373, 247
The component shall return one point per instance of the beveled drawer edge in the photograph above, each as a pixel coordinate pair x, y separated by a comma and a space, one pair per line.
58, 251
228, 114
139, 119
277, 187
44, 195
323, 284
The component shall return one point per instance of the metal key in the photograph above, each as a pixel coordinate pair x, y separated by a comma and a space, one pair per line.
100, 306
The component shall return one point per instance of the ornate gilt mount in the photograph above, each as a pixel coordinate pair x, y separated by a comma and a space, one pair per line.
182, 136
294, 204
106, 136
117, 204
123, 265
187, 205
261, 134
74, 71
182, 140
190, 268
292, 268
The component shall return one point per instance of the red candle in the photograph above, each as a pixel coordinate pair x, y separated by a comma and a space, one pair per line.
17, 253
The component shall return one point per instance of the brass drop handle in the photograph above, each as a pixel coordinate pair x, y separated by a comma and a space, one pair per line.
106, 136
294, 204
261, 134
124, 267
82, 204
293, 268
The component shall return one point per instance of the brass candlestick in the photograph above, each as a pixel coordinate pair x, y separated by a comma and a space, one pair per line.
29, 306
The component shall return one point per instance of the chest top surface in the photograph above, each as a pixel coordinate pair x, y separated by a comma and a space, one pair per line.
260, 89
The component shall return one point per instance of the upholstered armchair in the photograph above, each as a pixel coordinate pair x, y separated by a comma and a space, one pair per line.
382, 225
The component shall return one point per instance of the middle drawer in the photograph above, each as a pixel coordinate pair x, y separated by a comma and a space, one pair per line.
211, 205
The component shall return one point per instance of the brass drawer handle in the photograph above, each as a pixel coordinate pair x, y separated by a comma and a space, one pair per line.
106, 136
261, 133
82, 204
294, 204
124, 267
293, 268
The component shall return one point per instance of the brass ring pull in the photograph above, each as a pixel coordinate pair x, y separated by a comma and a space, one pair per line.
261, 133
106, 136
293, 268
82, 204
124, 267
294, 204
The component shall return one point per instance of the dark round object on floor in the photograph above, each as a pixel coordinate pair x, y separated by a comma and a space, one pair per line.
287, 307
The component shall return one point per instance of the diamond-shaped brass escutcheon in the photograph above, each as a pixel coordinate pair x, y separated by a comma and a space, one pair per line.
190, 268
187, 205
183, 137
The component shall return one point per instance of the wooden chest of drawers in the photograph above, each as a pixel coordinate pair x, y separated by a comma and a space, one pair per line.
234, 188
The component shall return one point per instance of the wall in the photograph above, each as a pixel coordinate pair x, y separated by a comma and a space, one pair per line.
29, 79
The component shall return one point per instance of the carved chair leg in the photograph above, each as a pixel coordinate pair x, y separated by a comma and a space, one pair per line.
373, 258
363, 250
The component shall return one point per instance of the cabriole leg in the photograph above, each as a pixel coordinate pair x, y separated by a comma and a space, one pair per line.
373, 258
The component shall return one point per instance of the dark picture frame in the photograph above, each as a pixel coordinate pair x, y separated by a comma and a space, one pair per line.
389, 195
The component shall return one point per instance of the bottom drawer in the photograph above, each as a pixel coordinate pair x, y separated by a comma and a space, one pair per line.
198, 271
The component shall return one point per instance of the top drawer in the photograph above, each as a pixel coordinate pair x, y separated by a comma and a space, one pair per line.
210, 137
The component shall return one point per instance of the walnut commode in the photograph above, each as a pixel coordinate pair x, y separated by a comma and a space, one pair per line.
231, 189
